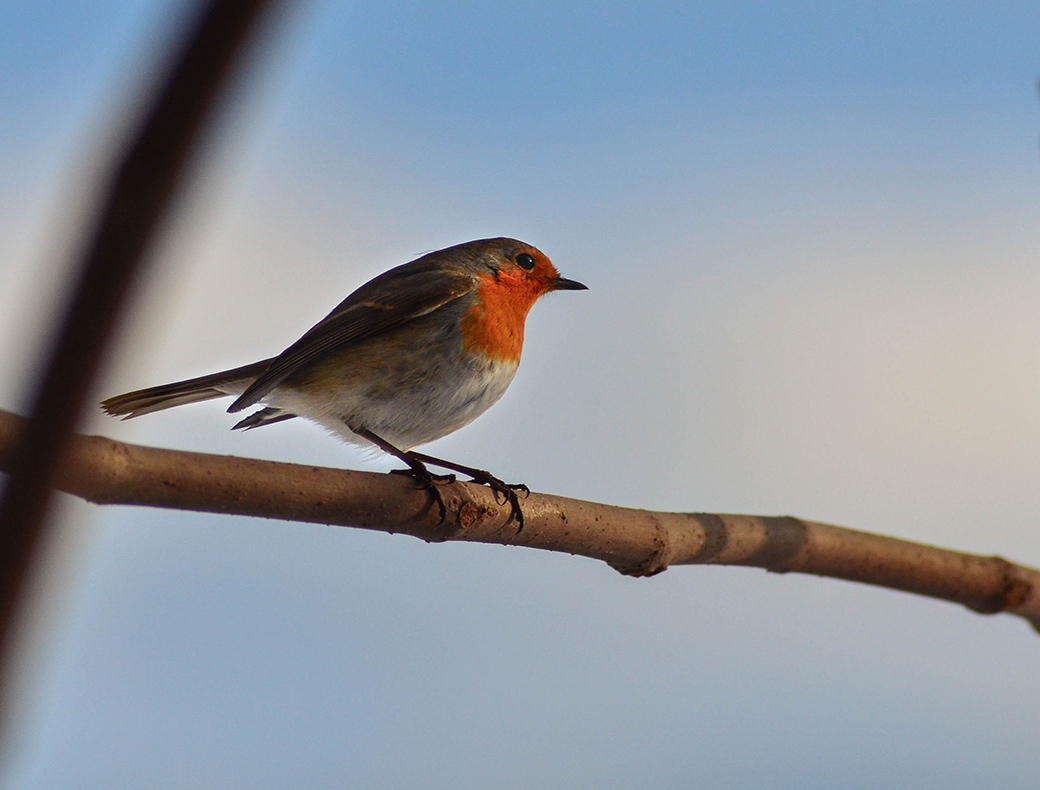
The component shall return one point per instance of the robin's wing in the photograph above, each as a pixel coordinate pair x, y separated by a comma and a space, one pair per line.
393, 298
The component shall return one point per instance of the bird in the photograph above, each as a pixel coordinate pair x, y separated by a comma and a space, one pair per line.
411, 356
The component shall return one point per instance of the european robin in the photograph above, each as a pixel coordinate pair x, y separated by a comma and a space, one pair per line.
411, 356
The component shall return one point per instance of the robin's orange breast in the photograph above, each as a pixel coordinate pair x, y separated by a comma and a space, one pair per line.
494, 325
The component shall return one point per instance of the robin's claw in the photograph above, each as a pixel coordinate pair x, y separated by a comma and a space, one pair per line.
518, 513
507, 492
425, 479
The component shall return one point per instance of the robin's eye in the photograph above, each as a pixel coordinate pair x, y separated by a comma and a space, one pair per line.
525, 261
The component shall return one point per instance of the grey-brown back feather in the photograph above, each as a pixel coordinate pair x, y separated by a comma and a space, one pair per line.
393, 298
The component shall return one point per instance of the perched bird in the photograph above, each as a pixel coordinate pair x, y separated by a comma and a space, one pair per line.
411, 356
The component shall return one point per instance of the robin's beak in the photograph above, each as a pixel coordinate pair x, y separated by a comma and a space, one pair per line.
563, 284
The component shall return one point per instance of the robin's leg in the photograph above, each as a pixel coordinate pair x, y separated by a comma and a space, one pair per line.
507, 490
416, 468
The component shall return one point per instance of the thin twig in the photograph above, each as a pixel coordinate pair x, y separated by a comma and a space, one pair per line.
635, 542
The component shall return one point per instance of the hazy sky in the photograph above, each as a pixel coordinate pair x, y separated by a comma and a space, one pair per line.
811, 242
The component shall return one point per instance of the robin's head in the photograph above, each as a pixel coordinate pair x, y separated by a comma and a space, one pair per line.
526, 268
512, 263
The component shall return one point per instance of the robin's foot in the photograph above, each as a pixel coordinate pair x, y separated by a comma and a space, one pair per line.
417, 470
425, 479
507, 490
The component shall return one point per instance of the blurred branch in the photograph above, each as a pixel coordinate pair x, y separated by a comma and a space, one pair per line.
140, 190
635, 542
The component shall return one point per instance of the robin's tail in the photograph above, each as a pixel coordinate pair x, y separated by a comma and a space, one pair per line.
166, 396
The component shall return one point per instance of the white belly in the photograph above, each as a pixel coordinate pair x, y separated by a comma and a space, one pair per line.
406, 415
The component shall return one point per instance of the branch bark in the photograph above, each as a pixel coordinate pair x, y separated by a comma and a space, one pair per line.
635, 542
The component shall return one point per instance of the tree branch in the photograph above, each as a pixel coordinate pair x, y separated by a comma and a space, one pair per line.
635, 542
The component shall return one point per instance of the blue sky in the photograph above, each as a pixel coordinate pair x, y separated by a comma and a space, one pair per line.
810, 235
